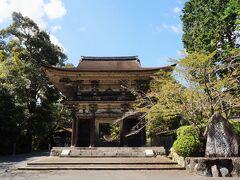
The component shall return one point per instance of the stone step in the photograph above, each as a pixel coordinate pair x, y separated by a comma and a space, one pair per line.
103, 163
107, 151
104, 167
98, 161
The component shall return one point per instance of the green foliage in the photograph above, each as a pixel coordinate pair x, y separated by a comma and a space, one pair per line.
23, 50
52, 117
187, 146
188, 142
160, 123
115, 132
216, 85
207, 78
211, 28
9, 127
210, 25
172, 104
187, 131
236, 126
162, 116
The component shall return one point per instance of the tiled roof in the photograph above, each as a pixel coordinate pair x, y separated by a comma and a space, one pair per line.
109, 63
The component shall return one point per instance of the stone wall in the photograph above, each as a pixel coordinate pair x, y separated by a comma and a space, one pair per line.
175, 157
214, 167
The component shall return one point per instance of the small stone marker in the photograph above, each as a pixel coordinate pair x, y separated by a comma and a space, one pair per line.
149, 152
221, 139
65, 152
215, 172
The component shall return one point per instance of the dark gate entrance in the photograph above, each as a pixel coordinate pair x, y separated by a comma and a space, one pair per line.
84, 133
135, 140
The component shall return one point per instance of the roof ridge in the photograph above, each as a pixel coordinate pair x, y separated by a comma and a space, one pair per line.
109, 58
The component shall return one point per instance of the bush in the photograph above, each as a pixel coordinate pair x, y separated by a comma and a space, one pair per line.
236, 126
187, 131
188, 142
187, 146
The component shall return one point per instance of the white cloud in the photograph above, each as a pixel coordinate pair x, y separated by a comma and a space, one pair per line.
4, 10
56, 28
37, 10
55, 9
162, 27
34, 9
55, 41
174, 28
30, 8
177, 10
182, 52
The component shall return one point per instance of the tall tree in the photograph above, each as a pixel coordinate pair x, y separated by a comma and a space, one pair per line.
24, 48
211, 25
194, 99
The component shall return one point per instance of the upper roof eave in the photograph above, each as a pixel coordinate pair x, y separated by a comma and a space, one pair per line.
170, 67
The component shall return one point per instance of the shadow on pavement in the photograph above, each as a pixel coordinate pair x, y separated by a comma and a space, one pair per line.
22, 157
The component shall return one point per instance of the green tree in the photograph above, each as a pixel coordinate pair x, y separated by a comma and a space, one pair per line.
24, 48
199, 92
49, 118
210, 25
160, 105
11, 119
213, 27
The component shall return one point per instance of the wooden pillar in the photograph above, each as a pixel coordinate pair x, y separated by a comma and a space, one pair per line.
73, 132
124, 109
122, 134
93, 109
76, 132
92, 131
73, 136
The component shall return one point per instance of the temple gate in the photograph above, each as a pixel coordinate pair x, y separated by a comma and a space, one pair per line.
98, 93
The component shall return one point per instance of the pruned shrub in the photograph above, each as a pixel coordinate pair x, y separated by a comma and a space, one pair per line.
188, 142
187, 130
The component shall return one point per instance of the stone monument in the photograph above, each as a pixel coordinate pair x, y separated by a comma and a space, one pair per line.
221, 139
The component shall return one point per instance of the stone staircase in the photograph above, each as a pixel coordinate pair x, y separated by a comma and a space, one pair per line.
104, 163
104, 158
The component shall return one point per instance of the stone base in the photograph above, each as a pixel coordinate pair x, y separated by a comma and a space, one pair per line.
214, 167
102, 163
107, 151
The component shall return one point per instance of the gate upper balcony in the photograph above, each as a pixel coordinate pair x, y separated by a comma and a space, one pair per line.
105, 96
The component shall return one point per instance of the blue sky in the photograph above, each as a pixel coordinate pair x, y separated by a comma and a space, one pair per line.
150, 29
